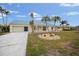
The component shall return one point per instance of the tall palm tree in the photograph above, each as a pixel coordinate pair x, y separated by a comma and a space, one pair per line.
6, 13
55, 19
32, 21
45, 19
2, 13
63, 22
32, 25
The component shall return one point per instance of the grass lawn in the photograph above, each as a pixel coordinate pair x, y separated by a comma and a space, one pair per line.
68, 45
2, 33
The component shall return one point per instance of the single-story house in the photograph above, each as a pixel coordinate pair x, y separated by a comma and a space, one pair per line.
19, 26
23, 26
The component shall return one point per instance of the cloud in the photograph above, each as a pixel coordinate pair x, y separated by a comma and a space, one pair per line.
23, 16
35, 14
69, 4
12, 11
72, 13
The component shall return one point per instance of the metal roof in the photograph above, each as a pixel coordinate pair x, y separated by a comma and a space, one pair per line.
19, 22
24, 22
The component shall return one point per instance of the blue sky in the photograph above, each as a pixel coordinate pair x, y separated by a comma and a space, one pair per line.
66, 11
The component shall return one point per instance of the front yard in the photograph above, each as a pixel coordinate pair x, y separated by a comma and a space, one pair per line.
2, 33
68, 45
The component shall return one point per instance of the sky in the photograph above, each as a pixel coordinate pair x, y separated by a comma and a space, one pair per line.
21, 11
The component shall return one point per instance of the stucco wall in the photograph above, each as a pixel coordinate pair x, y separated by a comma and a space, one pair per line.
17, 28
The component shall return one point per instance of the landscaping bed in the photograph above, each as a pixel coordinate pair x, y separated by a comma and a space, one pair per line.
68, 45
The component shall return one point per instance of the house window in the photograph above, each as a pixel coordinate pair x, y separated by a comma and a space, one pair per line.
44, 28
25, 28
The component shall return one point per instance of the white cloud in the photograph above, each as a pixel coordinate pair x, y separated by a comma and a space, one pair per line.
12, 11
35, 14
72, 13
20, 16
38, 18
69, 4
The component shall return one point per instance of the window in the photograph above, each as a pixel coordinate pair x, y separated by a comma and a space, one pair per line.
25, 28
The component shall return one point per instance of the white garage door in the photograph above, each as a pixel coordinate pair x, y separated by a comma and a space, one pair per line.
18, 29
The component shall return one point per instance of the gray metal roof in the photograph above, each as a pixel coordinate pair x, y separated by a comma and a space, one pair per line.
19, 22
24, 22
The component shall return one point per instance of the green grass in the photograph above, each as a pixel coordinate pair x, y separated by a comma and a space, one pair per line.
67, 45
2, 33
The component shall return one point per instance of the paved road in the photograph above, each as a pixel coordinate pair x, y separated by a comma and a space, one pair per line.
13, 44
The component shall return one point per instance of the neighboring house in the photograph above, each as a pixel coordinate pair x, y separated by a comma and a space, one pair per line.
23, 26
77, 28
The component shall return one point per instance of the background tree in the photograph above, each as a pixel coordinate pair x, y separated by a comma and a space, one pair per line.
45, 19
55, 19
32, 21
63, 22
6, 13
2, 14
32, 25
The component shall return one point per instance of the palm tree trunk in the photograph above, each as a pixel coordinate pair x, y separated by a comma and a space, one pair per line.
54, 25
6, 23
47, 27
3, 22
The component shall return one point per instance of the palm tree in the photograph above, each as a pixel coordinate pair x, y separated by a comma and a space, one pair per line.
45, 19
55, 19
2, 14
6, 13
32, 25
32, 21
63, 22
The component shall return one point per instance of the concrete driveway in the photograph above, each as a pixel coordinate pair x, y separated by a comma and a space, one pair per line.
13, 44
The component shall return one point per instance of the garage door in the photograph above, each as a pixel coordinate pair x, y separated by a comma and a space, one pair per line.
18, 29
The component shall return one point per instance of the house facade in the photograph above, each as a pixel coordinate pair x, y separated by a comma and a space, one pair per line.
24, 26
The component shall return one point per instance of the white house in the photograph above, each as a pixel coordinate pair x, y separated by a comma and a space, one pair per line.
19, 26
24, 26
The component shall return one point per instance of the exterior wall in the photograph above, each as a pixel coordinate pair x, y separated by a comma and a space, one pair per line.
17, 28
20, 28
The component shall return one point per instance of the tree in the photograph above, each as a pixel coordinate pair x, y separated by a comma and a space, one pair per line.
32, 21
63, 22
45, 19
32, 25
2, 14
55, 19
6, 13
